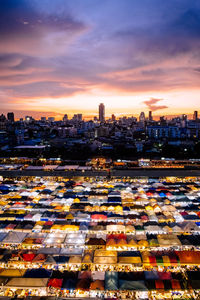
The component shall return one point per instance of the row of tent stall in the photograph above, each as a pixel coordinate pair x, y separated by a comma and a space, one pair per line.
53, 257
28, 239
110, 281
102, 230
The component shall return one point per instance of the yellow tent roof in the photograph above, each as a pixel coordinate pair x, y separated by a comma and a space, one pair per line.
12, 273
143, 243
130, 260
69, 217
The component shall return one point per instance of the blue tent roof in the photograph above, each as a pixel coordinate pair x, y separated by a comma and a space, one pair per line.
69, 284
38, 273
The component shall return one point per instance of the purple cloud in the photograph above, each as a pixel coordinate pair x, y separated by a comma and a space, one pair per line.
152, 104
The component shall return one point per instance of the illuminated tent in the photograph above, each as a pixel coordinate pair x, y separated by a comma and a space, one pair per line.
130, 228
143, 243
69, 283
129, 260
83, 284
84, 275
25, 283
105, 259
111, 243
129, 257
71, 251
153, 243
189, 257
55, 282
55, 238
132, 285
111, 281
12, 273
176, 284
97, 285
115, 228
159, 284
98, 275
38, 273
151, 275
105, 253
75, 260
39, 258
121, 243
99, 217
14, 237
87, 258
167, 240
132, 243
164, 275
28, 256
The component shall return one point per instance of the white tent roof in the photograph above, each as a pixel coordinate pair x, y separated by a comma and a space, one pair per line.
34, 168
14, 237
55, 238
71, 251
49, 250
68, 167
97, 275
115, 227
27, 282
50, 167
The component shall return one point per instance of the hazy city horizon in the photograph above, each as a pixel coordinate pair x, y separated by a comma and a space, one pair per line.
58, 116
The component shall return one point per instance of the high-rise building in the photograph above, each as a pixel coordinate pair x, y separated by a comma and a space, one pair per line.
113, 118
43, 119
65, 118
10, 117
79, 117
101, 112
51, 119
2, 122
195, 115
150, 116
75, 117
184, 117
142, 117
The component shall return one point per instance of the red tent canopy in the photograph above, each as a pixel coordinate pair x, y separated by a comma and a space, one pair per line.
152, 260
28, 256
55, 282
176, 284
159, 284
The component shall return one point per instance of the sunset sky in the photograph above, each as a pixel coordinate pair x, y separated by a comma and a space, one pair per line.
67, 56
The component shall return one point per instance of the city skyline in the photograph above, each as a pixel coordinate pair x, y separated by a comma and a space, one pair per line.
68, 56
100, 115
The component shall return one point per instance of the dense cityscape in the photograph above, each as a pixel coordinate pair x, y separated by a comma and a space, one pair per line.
76, 138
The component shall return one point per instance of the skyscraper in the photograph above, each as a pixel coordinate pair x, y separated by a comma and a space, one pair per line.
142, 117
101, 112
65, 118
43, 119
195, 115
10, 117
79, 117
2, 122
113, 117
150, 116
